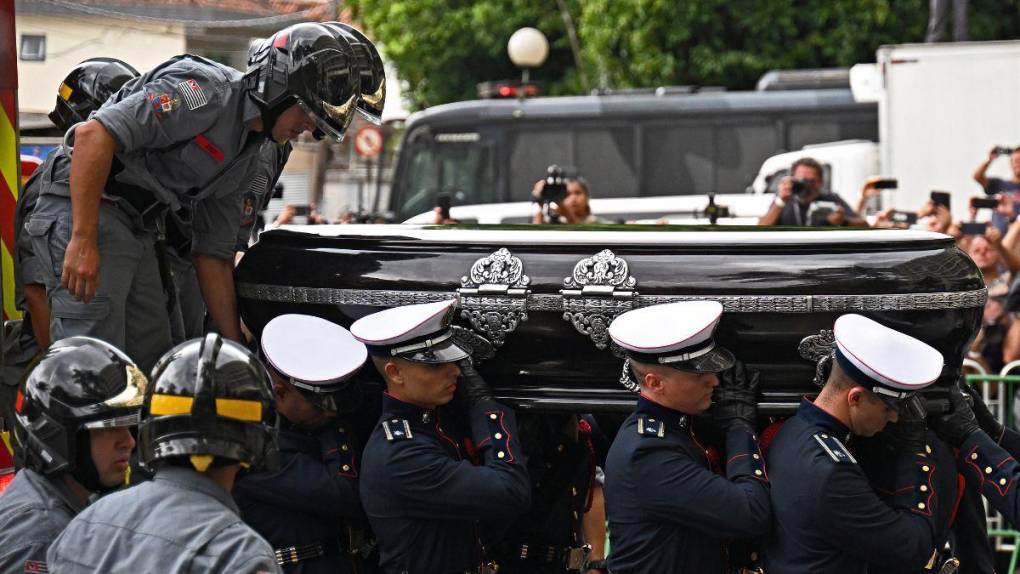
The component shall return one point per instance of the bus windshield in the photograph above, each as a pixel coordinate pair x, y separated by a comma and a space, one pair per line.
462, 170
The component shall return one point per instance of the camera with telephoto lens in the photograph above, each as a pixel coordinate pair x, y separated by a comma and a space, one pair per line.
800, 186
555, 188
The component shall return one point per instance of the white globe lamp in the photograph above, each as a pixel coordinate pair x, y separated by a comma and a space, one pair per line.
528, 48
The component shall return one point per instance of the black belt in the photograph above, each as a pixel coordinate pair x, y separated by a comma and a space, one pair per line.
143, 201
295, 554
570, 557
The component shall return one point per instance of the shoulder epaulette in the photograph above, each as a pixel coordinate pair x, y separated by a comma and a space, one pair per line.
651, 427
834, 448
397, 429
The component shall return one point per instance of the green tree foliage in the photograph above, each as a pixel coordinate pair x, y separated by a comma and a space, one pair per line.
733, 42
443, 48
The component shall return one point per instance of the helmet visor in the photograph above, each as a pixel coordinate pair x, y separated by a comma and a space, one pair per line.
331, 92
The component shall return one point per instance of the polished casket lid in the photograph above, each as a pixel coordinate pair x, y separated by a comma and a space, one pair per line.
541, 298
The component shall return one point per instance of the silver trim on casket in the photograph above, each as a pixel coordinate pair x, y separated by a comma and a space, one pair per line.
599, 289
494, 295
554, 302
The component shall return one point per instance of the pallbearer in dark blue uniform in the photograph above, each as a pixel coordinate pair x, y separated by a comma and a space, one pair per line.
668, 512
828, 518
309, 509
422, 496
987, 450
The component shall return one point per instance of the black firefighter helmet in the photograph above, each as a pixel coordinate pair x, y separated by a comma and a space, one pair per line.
79, 383
87, 87
370, 69
210, 399
310, 65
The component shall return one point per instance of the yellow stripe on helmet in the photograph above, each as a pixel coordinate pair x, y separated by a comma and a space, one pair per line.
239, 409
230, 408
170, 405
65, 91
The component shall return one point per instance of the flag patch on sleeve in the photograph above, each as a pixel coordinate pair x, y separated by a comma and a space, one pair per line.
163, 104
192, 94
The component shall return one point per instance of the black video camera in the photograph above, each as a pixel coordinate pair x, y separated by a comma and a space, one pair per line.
555, 188
800, 186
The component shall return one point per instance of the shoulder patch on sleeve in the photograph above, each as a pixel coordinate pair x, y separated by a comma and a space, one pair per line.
397, 429
834, 448
192, 93
651, 427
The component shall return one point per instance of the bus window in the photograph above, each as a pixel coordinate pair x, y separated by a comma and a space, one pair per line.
531, 153
678, 160
463, 170
740, 151
605, 157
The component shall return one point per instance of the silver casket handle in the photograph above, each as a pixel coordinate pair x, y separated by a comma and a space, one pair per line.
599, 289
494, 295
818, 349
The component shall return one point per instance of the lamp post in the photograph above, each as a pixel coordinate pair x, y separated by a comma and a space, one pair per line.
528, 49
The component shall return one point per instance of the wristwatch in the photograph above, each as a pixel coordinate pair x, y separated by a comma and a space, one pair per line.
599, 565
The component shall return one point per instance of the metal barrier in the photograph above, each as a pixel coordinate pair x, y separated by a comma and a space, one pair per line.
998, 392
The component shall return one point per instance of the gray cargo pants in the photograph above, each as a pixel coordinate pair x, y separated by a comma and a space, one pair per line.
187, 321
129, 308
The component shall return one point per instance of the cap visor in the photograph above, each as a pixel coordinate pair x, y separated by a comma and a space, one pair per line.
716, 360
325, 401
446, 352
902, 405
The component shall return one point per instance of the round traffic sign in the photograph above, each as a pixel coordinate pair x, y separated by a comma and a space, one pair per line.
368, 141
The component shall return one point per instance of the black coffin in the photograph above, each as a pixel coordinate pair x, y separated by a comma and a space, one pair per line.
543, 296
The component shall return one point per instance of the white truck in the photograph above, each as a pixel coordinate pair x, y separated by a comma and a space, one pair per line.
941, 108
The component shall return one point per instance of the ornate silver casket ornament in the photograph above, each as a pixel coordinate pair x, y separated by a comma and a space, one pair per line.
599, 289
819, 350
494, 295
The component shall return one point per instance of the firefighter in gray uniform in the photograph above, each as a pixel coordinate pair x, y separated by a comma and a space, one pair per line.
207, 412
190, 130
75, 412
82, 91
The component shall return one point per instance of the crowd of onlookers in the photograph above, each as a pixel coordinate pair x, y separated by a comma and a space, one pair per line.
990, 235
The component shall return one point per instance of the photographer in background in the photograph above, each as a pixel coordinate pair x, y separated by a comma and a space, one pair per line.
801, 201
1005, 188
562, 198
